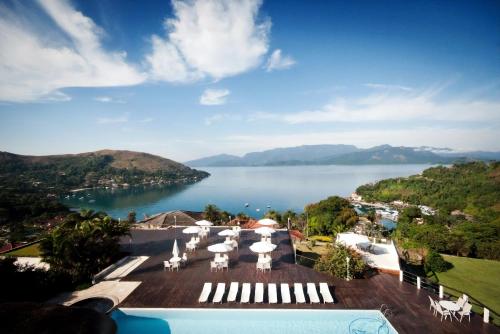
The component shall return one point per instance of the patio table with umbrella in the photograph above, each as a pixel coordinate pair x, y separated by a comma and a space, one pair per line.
263, 248
205, 225
191, 230
219, 248
228, 234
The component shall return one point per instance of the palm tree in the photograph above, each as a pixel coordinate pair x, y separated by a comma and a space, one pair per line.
212, 213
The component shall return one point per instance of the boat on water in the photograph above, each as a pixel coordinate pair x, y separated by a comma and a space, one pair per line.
92, 201
247, 205
81, 198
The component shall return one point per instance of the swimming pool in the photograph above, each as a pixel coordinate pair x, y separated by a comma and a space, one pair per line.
250, 321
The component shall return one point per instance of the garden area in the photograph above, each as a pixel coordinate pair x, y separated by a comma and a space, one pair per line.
476, 277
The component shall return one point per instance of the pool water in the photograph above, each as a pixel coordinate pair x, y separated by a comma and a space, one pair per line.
250, 321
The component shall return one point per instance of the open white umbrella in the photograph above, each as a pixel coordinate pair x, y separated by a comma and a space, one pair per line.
175, 250
265, 230
204, 223
262, 247
267, 222
219, 248
191, 230
228, 234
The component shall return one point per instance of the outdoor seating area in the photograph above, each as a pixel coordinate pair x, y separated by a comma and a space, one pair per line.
169, 288
260, 293
450, 309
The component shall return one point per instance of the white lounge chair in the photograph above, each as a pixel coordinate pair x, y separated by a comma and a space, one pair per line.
299, 293
272, 293
465, 311
233, 291
219, 293
207, 288
313, 293
285, 293
325, 293
259, 292
245, 293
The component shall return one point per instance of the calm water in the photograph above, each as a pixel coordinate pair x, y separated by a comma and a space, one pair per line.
289, 187
231, 321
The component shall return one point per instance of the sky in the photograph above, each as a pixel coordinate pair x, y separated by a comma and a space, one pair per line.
188, 79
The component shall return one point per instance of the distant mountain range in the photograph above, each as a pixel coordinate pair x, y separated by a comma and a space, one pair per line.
344, 155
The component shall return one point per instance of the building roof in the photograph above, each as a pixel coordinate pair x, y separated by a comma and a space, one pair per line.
170, 218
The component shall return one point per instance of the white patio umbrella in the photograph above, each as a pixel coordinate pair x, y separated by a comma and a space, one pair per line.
265, 230
227, 233
191, 230
267, 222
262, 247
219, 248
204, 223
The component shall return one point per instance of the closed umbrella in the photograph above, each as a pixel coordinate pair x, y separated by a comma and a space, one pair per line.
175, 251
267, 222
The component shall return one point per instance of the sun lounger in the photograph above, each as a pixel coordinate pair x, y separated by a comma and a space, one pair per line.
273, 295
245, 293
207, 288
285, 293
313, 293
299, 293
219, 293
259, 292
233, 291
325, 293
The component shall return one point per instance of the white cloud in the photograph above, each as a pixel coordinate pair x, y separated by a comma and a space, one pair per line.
218, 38
108, 99
399, 106
278, 62
37, 64
113, 120
146, 120
214, 97
388, 87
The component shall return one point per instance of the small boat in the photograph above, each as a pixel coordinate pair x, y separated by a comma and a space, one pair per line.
67, 197
268, 206
81, 198
247, 205
257, 209
92, 201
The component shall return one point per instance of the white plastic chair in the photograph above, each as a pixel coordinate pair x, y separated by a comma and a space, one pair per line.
432, 305
166, 265
444, 313
465, 311
176, 265
213, 265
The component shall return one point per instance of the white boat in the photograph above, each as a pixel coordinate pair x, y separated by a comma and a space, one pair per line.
247, 205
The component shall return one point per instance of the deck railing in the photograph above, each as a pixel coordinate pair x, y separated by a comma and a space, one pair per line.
439, 290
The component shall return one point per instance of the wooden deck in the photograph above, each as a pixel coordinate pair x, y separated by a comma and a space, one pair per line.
164, 289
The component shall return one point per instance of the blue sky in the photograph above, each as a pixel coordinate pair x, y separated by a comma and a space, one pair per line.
186, 79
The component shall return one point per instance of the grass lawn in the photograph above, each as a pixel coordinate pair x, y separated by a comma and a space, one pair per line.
476, 277
29, 251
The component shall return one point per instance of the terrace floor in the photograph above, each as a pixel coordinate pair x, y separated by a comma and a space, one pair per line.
165, 289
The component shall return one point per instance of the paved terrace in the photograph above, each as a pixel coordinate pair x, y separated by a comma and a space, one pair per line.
165, 289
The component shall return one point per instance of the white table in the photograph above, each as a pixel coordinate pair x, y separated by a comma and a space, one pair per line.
450, 306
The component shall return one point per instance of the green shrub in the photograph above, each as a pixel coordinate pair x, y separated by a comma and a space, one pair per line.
321, 238
435, 262
334, 262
